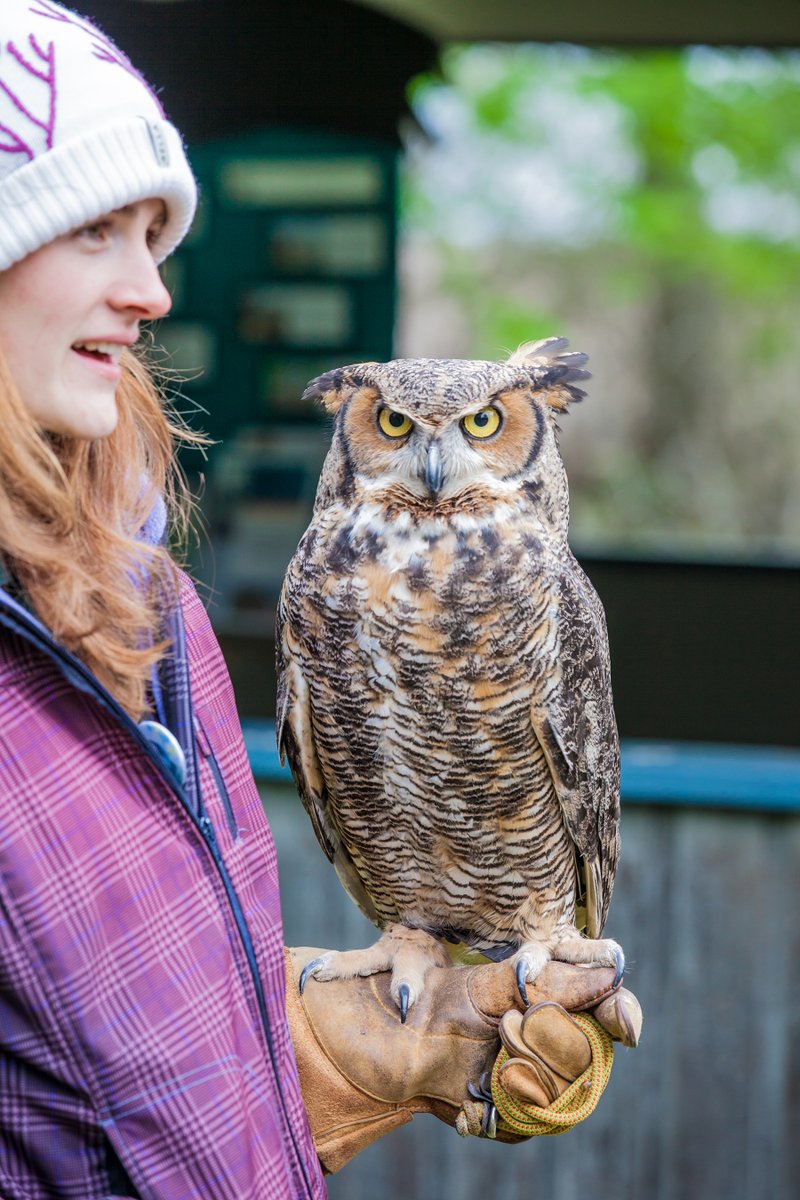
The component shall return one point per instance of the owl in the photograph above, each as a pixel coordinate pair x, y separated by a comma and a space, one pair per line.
444, 690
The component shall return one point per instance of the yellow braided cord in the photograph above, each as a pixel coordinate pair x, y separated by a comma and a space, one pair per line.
468, 1121
574, 1105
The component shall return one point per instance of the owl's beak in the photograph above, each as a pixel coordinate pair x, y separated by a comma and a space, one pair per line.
433, 468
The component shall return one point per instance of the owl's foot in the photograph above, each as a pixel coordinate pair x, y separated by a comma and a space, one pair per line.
572, 948
408, 953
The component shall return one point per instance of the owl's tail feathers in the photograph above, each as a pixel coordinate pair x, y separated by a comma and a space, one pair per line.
551, 367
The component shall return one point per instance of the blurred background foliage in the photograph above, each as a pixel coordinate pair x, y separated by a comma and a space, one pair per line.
647, 205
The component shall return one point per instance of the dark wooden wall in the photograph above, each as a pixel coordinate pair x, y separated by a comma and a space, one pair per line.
703, 651
223, 68
708, 1106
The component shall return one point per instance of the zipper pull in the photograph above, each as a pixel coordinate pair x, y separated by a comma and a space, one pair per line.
209, 833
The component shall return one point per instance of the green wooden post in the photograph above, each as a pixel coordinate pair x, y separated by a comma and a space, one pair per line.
289, 271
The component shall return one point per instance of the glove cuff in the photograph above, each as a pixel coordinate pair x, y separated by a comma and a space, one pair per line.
344, 1120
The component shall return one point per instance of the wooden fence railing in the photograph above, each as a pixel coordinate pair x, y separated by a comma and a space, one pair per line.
708, 1106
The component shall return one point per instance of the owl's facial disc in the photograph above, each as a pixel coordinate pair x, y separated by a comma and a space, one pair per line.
436, 447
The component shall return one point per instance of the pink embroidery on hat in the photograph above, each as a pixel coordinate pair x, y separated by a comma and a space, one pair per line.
18, 144
103, 48
55, 14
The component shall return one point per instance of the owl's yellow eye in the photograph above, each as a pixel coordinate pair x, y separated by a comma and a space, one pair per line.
394, 424
482, 424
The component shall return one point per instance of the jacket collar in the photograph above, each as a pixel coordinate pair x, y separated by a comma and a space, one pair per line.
171, 684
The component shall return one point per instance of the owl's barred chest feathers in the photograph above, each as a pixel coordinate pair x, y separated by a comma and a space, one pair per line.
441, 583
433, 748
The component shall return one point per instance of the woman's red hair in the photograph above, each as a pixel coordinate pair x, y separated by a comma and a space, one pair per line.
71, 512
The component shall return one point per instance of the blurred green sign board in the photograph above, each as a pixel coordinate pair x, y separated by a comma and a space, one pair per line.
288, 272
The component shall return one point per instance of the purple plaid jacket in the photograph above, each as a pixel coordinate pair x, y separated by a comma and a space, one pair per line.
144, 1050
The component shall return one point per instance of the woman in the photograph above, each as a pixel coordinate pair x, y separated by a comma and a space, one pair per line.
144, 1042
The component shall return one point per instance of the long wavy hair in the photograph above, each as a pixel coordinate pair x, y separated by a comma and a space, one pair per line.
71, 511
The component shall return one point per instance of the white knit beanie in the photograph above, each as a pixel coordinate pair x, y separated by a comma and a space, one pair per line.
81, 133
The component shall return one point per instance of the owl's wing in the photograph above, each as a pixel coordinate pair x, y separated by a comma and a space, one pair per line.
573, 718
296, 743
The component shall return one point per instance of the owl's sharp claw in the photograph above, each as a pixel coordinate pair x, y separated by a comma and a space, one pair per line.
489, 1122
404, 994
620, 964
522, 975
482, 1090
308, 972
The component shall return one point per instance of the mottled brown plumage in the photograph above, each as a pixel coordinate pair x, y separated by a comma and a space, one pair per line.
444, 679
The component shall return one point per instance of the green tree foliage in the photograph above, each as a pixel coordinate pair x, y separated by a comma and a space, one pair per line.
648, 198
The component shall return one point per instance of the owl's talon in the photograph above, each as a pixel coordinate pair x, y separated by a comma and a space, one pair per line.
308, 973
482, 1090
404, 997
620, 964
522, 975
489, 1121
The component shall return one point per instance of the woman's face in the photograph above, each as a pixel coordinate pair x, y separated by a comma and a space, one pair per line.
68, 311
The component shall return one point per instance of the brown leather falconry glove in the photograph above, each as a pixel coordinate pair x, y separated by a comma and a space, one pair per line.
363, 1072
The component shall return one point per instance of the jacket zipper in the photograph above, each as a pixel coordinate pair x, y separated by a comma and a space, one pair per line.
29, 628
222, 791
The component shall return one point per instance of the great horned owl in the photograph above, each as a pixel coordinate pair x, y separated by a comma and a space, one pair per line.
444, 694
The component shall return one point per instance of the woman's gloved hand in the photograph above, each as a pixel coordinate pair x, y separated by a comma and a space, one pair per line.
363, 1072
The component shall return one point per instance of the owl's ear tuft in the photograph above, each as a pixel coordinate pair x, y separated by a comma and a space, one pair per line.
553, 372
328, 390
334, 387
